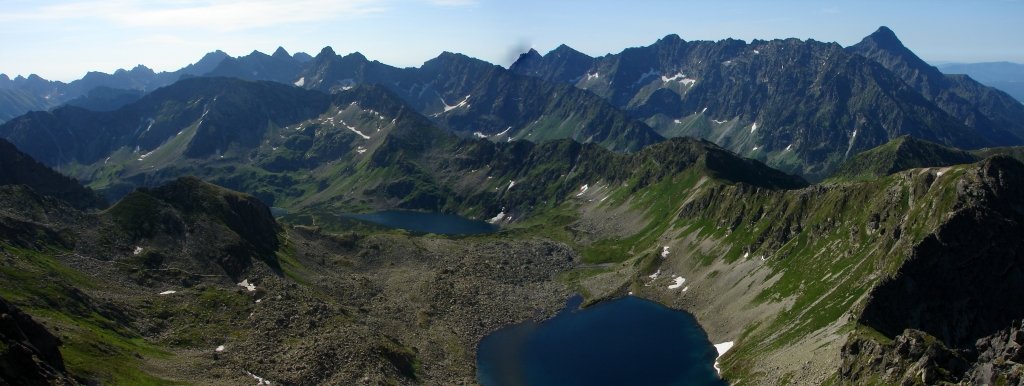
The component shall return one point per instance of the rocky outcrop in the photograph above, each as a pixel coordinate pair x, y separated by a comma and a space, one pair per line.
948, 286
912, 358
957, 296
29, 353
228, 228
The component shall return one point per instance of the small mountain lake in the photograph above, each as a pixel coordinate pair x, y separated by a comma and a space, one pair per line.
627, 341
425, 222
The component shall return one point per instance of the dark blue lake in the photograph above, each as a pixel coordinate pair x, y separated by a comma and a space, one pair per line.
424, 222
627, 341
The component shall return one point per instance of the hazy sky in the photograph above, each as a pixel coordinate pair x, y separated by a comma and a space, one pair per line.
63, 39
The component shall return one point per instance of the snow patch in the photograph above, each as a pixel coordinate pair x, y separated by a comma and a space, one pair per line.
678, 283
168, 292
347, 84
219, 348
849, 147
354, 130
510, 184
788, 148
753, 127
301, 82
654, 276
259, 380
360, 150
717, 122
479, 134
142, 157
595, 75
664, 251
137, 251
500, 216
756, 147
248, 286
722, 348
679, 77
677, 121
583, 189
746, 255
504, 132
463, 103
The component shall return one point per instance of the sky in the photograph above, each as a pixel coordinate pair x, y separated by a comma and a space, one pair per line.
62, 40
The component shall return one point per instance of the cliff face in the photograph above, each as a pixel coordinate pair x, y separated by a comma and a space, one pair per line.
954, 306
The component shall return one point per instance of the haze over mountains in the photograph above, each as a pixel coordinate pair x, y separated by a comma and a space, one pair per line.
846, 215
1005, 76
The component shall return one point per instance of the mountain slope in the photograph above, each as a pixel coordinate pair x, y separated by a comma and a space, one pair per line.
153, 292
17, 102
801, 106
17, 168
787, 271
476, 98
901, 154
990, 112
193, 118
105, 99
792, 276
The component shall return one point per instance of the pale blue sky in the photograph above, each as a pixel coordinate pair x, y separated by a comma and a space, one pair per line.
64, 39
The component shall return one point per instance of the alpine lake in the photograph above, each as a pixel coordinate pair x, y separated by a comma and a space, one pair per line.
625, 341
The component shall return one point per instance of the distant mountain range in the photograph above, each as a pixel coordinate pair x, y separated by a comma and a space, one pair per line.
1005, 76
23, 94
801, 106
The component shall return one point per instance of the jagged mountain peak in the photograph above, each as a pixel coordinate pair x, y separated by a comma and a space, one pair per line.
885, 40
527, 58
447, 58
670, 38
563, 49
326, 52
207, 63
358, 56
884, 36
281, 53
255, 53
448, 55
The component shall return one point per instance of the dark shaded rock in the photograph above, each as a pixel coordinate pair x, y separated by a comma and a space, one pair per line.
17, 168
29, 353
